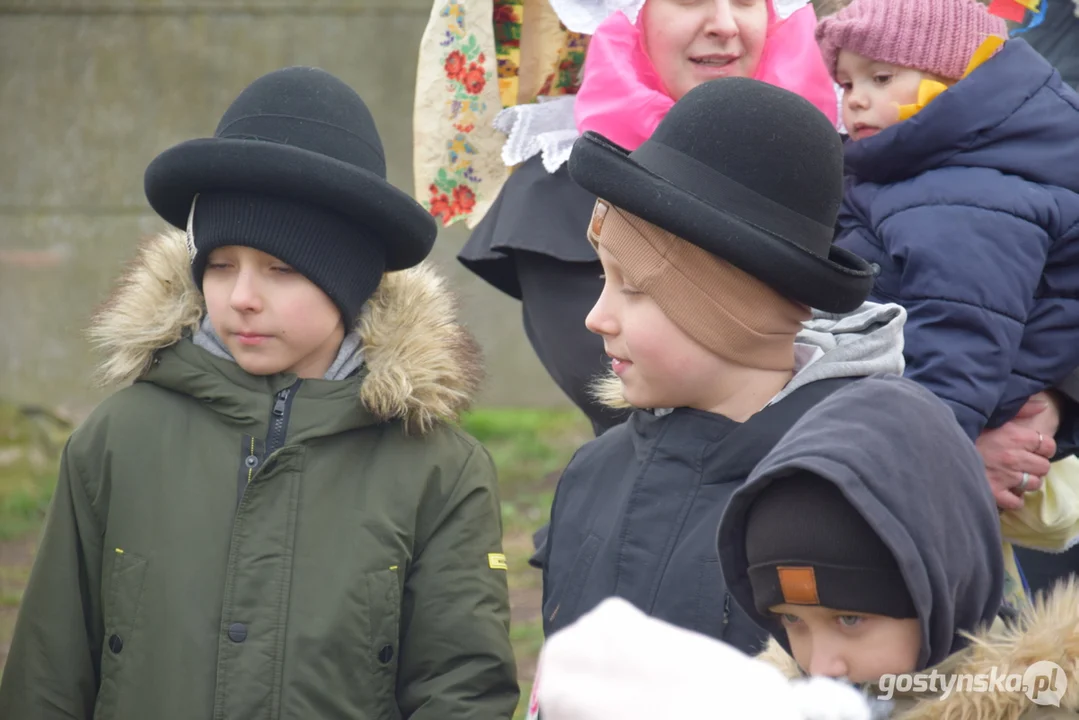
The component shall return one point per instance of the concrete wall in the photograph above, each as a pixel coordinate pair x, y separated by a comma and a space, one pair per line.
91, 91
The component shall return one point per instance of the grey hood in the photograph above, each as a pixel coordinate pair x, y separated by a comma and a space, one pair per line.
865, 342
901, 459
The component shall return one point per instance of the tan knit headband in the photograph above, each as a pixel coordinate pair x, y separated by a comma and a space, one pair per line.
726, 310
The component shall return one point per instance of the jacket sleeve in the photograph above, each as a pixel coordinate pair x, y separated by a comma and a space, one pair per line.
456, 659
53, 667
967, 278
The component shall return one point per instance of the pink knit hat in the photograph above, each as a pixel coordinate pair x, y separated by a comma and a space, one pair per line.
935, 36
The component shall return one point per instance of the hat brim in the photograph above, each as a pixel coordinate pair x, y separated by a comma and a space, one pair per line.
176, 176
839, 283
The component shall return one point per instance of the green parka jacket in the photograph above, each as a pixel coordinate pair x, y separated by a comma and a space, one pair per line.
235, 547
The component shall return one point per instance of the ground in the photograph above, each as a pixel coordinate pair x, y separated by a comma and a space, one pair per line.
529, 447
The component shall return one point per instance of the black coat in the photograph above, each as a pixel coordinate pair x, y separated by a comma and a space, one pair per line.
637, 511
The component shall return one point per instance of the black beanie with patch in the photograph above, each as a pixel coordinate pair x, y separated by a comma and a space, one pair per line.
807, 545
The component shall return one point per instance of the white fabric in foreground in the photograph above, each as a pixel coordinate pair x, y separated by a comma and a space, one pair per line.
616, 662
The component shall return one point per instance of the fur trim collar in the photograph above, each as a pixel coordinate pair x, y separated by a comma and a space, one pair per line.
423, 366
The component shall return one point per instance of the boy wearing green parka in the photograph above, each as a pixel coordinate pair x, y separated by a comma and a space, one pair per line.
276, 519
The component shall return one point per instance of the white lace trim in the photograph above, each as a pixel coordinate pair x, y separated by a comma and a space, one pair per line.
546, 128
785, 8
584, 16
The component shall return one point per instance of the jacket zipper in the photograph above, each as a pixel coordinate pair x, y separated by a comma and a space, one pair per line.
279, 417
726, 609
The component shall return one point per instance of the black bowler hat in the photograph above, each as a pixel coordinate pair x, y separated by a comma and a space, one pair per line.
296, 169
747, 171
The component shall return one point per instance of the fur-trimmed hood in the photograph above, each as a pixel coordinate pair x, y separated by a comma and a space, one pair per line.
422, 365
1048, 630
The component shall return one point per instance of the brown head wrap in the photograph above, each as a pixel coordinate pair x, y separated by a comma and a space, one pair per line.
724, 309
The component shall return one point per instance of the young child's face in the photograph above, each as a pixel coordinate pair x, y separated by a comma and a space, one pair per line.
692, 41
873, 92
659, 365
270, 317
855, 646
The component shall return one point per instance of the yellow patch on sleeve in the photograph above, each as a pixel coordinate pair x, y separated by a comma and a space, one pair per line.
497, 561
799, 585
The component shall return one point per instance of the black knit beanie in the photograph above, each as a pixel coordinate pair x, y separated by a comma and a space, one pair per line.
322, 245
807, 545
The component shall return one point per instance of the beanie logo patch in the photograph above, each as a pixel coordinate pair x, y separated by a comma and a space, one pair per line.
799, 585
599, 213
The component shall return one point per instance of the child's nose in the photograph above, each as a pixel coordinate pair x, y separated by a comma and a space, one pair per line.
857, 100
826, 662
599, 319
245, 295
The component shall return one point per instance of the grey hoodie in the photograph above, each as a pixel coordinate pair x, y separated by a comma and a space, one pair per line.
899, 456
865, 342
637, 510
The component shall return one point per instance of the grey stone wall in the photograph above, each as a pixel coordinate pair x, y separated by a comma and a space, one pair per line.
91, 90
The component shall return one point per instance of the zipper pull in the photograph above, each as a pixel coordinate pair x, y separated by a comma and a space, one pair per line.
279, 403
726, 609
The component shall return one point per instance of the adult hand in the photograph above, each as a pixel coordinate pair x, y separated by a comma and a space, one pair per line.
1023, 445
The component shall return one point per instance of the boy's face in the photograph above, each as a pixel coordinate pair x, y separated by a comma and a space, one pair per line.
270, 317
659, 365
873, 92
855, 646
692, 41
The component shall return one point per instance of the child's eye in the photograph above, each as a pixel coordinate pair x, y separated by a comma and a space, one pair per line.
790, 619
283, 269
631, 291
216, 266
850, 620
846, 86
882, 78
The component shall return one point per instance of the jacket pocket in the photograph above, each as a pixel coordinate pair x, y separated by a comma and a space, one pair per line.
384, 638
561, 607
121, 649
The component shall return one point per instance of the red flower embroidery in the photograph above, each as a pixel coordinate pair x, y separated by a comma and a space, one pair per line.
441, 208
474, 80
463, 200
455, 65
464, 128
504, 14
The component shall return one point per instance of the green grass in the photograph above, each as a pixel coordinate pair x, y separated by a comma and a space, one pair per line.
529, 448
30, 444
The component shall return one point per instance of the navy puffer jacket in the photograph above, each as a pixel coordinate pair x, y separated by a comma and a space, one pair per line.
969, 212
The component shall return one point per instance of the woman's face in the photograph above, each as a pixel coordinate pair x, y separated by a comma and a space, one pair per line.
693, 41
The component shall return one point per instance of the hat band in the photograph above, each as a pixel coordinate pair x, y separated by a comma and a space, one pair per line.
732, 198
334, 142
869, 590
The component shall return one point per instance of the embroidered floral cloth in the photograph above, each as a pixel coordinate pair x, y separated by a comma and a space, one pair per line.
476, 58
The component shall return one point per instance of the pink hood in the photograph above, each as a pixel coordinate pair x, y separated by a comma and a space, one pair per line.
624, 101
